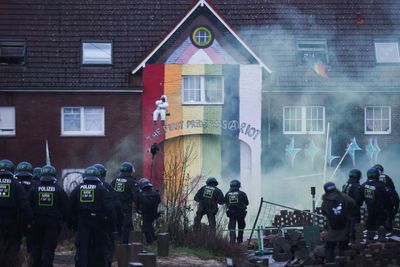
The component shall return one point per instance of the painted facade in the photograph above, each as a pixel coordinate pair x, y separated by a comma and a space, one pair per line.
223, 128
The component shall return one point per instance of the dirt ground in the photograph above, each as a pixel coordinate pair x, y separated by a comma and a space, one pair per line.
181, 260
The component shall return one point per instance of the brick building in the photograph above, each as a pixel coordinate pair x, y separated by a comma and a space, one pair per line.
85, 75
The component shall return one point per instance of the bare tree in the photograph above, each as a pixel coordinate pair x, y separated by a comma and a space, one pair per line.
178, 186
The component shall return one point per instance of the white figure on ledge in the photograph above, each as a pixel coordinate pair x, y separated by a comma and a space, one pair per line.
161, 110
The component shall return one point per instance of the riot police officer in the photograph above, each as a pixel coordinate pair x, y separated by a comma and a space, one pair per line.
208, 198
126, 190
91, 211
23, 173
395, 196
378, 198
147, 205
110, 248
13, 201
49, 203
353, 189
236, 204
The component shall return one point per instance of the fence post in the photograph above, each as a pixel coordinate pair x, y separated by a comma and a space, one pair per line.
255, 222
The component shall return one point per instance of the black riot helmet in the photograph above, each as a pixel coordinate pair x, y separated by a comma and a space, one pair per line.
24, 169
329, 186
91, 174
373, 174
126, 168
379, 167
6, 167
212, 181
36, 173
144, 183
355, 174
235, 184
48, 174
102, 170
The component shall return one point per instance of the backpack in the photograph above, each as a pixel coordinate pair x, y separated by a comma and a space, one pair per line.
337, 213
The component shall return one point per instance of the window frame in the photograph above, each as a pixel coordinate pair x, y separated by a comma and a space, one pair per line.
89, 41
82, 132
14, 132
300, 51
303, 121
366, 132
203, 91
208, 42
386, 42
23, 44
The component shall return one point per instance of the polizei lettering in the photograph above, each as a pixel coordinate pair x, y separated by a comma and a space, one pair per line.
46, 189
5, 181
88, 186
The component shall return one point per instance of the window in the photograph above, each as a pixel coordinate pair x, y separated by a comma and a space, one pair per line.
312, 50
96, 53
387, 52
82, 121
12, 52
202, 37
377, 120
7, 121
203, 89
304, 120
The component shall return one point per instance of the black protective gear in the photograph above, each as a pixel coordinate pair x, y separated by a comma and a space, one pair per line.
379, 167
110, 246
236, 204
50, 208
24, 169
91, 212
212, 181
378, 198
91, 174
208, 198
355, 174
329, 186
23, 172
143, 183
394, 199
102, 170
126, 190
126, 168
235, 184
353, 189
373, 174
6, 167
36, 175
147, 203
48, 174
15, 216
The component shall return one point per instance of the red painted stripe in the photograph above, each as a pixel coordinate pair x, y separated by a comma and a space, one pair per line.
153, 88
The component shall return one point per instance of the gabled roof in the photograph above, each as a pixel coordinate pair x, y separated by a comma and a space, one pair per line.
199, 4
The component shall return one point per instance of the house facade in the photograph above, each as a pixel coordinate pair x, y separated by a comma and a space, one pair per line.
266, 92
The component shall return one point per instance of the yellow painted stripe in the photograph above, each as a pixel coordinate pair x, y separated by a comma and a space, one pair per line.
193, 69
193, 145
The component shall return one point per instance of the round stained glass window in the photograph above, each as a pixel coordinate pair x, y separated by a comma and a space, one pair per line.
202, 37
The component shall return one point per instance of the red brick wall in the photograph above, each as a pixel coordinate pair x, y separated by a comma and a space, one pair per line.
38, 117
